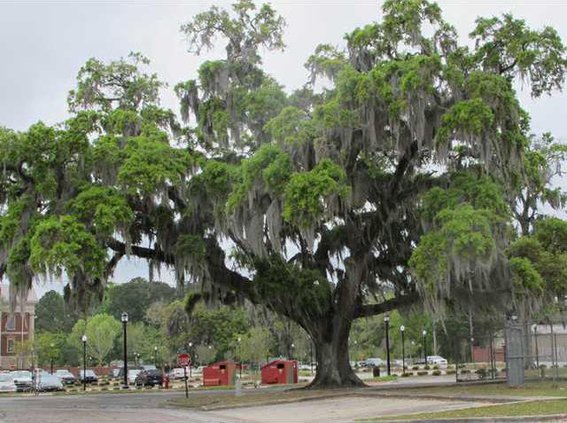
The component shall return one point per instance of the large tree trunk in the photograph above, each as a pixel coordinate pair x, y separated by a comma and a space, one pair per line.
331, 346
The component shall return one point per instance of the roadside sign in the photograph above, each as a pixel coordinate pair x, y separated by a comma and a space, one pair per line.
184, 360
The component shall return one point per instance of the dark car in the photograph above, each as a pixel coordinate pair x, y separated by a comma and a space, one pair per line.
149, 378
66, 377
88, 377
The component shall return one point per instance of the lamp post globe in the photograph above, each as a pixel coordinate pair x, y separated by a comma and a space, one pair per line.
124, 319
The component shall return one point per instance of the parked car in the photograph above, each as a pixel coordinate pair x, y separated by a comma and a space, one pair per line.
177, 373
132, 374
88, 377
150, 377
437, 360
47, 382
66, 377
373, 362
7, 383
22, 379
148, 367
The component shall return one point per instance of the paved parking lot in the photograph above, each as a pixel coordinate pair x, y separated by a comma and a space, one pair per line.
148, 408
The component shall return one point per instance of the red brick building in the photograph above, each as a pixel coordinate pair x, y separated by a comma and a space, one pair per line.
16, 329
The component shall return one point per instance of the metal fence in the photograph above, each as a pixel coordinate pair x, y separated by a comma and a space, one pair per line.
516, 352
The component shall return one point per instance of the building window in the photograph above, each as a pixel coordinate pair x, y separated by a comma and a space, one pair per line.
11, 346
11, 323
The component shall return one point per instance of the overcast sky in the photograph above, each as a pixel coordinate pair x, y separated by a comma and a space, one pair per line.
44, 43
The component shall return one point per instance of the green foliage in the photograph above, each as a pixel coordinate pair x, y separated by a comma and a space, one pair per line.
150, 165
65, 244
469, 117
52, 314
135, 297
103, 208
101, 331
270, 166
290, 290
307, 194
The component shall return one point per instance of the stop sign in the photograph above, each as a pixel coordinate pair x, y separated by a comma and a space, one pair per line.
184, 359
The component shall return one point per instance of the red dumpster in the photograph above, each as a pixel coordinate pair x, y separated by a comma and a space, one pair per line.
221, 373
280, 372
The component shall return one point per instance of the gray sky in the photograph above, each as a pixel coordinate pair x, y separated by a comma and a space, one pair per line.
44, 43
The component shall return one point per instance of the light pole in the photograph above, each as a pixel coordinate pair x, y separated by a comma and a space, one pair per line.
424, 333
190, 358
387, 328
155, 356
239, 358
84, 339
402, 330
124, 318
292, 347
51, 355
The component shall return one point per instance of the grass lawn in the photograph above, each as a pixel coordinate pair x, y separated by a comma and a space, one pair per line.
260, 397
529, 389
527, 408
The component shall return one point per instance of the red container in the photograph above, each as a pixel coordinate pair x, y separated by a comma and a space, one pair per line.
282, 372
221, 373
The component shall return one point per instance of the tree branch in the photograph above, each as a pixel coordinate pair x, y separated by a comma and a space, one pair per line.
369, 310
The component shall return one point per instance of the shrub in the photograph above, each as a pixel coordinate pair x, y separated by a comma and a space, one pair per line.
427, 367
465, 371
422, 373
436, 372
436, 367
450, 372
415, 368
407, 374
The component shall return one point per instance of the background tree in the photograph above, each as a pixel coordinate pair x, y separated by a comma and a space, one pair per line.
135, 297
101, 330
53, 315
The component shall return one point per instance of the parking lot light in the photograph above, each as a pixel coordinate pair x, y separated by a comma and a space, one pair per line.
387, 329
124, 318
424, 333
402, 330
84, 339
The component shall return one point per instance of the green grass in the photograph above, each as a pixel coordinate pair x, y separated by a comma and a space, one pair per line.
529, 389
527, 408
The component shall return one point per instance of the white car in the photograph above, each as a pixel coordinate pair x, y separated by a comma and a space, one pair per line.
437, 360
178, 373
22, 379
7, 383
373, 362
132, 375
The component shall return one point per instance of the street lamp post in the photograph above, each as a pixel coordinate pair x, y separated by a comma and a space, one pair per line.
124, 318
191, 359
51, 355
387, 328
402, 330
84, 339
424, 333
155, 356
240, 358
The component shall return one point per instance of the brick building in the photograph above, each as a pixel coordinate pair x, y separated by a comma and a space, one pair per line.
15, 330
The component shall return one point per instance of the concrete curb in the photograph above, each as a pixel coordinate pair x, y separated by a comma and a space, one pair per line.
550, 418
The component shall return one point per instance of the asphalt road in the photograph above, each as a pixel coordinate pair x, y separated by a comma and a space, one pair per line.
147, 408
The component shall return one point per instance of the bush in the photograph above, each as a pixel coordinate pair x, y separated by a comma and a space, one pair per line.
436, 372
415, 368
422, 373
407, 374
436, 367
427, 367
465, 371
450, 372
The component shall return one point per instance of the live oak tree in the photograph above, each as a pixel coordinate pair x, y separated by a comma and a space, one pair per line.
395, 184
